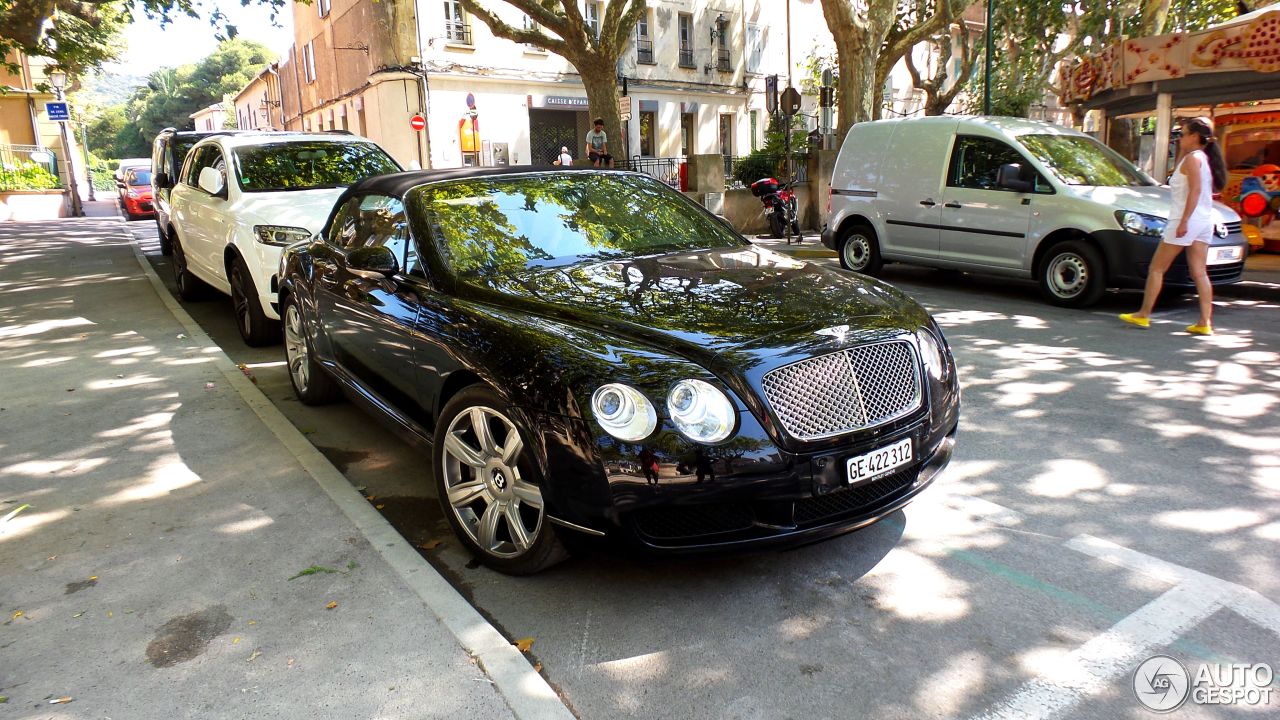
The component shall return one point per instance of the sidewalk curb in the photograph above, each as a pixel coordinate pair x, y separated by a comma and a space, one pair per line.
525, 692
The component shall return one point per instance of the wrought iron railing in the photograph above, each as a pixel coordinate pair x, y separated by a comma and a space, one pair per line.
686, 57
665, 169
19, 171
644, 52
722, 60
457, 32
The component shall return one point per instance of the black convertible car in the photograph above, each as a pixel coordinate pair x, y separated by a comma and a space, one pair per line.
589, 351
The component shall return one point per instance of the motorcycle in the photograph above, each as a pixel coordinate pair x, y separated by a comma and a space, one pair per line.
779, 202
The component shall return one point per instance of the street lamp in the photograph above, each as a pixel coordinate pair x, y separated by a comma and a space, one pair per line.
58, 78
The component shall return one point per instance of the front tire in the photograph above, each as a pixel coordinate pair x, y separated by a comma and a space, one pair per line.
254, 326
860, 250
1072, 274
490, 487
311, 382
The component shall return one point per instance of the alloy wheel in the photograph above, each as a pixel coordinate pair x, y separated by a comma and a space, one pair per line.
295, 347
501, 512
240, 300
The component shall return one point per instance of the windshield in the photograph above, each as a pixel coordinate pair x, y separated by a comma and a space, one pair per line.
1079, 160
273, 167
501, 226
138, 177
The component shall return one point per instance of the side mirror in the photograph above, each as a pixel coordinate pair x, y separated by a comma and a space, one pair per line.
211, 181
1009, 177
160, 180
119, 183
377, 260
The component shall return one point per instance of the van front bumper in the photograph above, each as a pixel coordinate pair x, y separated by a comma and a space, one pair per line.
1129, 258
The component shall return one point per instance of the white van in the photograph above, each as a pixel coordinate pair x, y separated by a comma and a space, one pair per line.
1011, 197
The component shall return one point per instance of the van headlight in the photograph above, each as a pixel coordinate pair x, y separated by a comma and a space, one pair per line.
623, 412
1141, 224
700, 411
280, 235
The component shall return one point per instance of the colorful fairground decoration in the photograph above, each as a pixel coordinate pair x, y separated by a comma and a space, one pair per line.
1246, 114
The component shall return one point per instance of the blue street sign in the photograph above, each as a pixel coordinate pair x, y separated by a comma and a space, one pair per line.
57, 111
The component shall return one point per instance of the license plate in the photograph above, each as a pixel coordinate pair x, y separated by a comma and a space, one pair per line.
1220, 255
880, 461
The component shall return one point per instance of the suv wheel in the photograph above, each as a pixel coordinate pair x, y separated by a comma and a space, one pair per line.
190, 287
254, 326
1072, 274
860, 250
489, 485
166, 243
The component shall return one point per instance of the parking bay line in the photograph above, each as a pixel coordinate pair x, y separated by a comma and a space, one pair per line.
1087, 670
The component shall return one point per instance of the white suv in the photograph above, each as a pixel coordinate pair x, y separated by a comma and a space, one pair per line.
239, 199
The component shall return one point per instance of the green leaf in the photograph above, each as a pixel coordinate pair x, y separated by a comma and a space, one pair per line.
314, 570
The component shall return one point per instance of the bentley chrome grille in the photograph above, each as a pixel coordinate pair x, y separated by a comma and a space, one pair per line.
849, 390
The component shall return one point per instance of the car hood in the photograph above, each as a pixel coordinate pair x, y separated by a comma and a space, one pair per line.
759, 305
1149, 200
298, 208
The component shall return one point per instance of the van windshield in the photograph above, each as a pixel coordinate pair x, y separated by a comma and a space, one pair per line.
1077, 160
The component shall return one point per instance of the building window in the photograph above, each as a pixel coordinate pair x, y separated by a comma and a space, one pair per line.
532, 26
323, 6
685, 23
721, 27
755, 47
648, 129
687, 146
726, 134
644, 41
592, 17
456, 28
755, 129
309, 61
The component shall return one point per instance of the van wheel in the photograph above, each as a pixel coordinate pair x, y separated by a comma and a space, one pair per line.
860, 250
1072, 274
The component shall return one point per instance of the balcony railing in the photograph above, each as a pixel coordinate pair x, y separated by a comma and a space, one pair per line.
686, 57
722, 60
457, 32
644, 52
19, 172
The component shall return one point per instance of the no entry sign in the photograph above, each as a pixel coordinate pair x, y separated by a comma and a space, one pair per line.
418, 123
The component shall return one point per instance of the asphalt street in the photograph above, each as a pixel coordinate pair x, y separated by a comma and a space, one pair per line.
1115, 494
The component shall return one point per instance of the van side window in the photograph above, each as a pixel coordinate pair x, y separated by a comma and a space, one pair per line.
976, 160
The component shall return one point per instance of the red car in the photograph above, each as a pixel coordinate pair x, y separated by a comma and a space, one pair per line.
135, 194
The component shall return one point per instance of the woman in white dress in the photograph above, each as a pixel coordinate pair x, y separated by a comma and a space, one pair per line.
1200, 172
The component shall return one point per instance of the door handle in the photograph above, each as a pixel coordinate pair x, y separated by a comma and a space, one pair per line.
928, 202
952, 205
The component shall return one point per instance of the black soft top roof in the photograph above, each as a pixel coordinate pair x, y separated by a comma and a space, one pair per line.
397, 184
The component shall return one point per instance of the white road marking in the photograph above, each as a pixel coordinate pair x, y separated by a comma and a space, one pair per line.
1087, 670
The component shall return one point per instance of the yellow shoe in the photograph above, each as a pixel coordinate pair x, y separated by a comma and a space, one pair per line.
1135, 320
1200, 329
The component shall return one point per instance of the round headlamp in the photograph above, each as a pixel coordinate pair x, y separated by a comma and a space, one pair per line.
623, 412
700, 411
931, 354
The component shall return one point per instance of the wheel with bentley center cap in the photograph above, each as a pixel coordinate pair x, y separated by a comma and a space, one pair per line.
489, 486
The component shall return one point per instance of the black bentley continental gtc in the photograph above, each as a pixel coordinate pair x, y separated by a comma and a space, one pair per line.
591, 352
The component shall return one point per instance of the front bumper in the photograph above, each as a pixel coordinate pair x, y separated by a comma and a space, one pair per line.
1129, 258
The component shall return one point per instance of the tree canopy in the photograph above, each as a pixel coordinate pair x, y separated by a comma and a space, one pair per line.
80, 35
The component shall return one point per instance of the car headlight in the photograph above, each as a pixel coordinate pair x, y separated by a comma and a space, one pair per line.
132, 193
623, 412
700, 411
1140, 224
931, 354
280, 235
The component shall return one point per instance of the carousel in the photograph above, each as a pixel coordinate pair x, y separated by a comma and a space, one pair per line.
1229, 73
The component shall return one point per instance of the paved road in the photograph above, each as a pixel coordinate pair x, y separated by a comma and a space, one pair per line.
1115, 494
